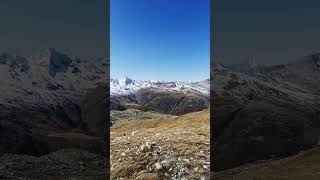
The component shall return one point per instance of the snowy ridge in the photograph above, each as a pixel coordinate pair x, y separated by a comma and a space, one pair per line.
128, 86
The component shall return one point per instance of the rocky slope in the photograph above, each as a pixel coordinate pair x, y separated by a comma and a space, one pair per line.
159, 146
266, 114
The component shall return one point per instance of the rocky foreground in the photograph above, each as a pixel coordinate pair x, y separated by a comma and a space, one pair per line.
162, 147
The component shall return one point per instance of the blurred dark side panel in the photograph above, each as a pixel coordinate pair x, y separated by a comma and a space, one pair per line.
54, 84
265, 89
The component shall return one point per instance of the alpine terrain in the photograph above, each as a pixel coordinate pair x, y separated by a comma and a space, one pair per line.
159, 129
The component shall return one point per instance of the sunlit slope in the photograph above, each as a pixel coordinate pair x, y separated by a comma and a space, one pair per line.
162, 148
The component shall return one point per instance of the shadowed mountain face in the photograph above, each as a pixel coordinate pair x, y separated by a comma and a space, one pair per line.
175, 103
270, 113
44, 97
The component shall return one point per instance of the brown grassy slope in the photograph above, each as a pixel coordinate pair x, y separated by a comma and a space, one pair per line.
182, 144
195, 120
304, 166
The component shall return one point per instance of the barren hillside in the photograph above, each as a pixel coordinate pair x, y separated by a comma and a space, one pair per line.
161, 147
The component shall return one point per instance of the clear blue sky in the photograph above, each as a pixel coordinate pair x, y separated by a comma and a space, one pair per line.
160, 39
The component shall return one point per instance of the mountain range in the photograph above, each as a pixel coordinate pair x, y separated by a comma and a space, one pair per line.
167, 97
128, 86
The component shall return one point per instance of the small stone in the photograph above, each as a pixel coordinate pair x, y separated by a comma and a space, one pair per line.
166, 164
148, 144
144, 148
151, 145
142, 172
147, 176
158, 166
134, 133
186, 160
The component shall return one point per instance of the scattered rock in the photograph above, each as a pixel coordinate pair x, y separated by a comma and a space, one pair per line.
134, 132
161, 151
166, 164
158, 166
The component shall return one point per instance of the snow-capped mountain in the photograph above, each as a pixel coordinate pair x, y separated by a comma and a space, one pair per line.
127, 86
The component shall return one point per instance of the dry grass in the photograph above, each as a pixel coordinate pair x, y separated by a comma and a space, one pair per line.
183, 141
192, 120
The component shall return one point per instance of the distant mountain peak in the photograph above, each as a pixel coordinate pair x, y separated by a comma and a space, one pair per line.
127, 81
